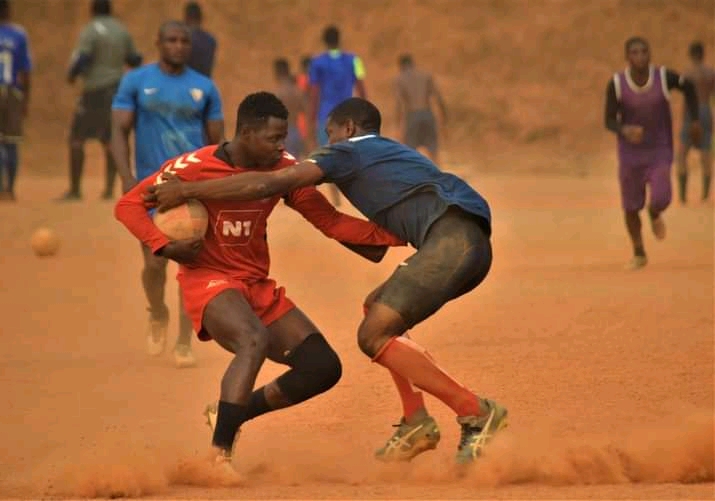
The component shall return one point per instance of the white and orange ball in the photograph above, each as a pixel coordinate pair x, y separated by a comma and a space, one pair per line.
45, 242
186, 221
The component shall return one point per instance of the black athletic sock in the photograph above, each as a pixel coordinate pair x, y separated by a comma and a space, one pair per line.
706, 186
258, 404
682, 186
229, 420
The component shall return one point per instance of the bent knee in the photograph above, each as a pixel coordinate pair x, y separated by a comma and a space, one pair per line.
376, 329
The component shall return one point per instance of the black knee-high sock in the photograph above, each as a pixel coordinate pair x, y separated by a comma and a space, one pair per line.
229, 419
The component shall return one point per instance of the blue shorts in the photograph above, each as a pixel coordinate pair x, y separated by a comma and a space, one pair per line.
706, 122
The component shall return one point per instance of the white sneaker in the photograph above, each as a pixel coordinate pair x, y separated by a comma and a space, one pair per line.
184, 356
223, 467
156, 337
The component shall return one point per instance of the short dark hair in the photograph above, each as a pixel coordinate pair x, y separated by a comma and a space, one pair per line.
192, 10
4, 9
281, 67
405, 60
331, 36
255, 110
634, 41
167, 25
697, 50
359, 110
101, 7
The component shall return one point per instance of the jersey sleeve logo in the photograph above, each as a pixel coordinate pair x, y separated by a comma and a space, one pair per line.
177, 165
236, 227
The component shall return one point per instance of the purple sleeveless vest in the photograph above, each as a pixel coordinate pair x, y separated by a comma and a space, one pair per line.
649, 107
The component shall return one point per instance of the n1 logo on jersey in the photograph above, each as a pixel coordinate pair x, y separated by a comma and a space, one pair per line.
236, 227
176, 165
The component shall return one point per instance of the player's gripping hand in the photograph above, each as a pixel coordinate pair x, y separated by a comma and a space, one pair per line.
632, 133
165, 195
182, 251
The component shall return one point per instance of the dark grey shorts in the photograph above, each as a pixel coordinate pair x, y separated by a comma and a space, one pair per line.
421, 130
11, 113
456, 257
93, 115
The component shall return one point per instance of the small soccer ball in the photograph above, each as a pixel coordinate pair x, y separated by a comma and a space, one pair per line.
188, 220
45, 242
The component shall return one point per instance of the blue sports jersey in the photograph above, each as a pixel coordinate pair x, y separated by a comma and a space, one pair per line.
395, 186
14, 53
335, 74
170, 113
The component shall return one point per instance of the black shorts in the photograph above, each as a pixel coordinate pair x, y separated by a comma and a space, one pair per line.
11, 113
455, 257
93, 115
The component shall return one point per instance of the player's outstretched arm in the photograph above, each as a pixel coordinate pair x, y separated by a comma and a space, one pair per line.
241, 187
131, 212
363, 237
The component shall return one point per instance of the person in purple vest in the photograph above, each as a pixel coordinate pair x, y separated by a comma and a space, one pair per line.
638, 112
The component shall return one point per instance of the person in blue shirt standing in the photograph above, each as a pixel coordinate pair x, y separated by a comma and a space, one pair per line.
15, 67
172, 109
203, 44
439, 214
333, 76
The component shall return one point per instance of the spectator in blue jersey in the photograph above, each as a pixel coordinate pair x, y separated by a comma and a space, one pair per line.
334, 75
439, 214
172, 109
15, 69
203, 44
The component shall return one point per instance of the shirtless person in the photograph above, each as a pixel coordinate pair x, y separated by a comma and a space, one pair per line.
703, 77
288, 91
415, 120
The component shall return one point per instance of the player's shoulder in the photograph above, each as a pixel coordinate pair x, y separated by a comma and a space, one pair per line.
199, 80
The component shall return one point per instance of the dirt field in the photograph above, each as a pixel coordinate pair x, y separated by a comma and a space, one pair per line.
608, 375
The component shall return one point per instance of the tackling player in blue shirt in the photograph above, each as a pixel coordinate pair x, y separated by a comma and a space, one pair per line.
446, 220
172, 109
15, 69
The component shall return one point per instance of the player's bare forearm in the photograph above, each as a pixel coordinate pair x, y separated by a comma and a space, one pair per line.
131, 212
360, 89
122, 124
317, 210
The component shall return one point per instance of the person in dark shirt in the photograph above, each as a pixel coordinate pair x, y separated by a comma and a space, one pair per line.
638, 112
439, 214
203, 44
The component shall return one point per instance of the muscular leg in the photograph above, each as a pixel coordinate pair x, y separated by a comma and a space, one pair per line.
682, 165
76, 168
110, 173
154, 281
231, 322
633, 224
413, 403
706, 161
11, 166
632, 181
315, 368
660, 196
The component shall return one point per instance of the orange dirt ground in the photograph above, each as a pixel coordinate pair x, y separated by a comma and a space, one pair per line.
608, 375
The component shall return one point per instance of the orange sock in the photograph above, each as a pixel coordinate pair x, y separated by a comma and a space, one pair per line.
411, 362
412, 401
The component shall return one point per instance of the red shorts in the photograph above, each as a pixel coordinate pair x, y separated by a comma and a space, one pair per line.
199, 286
